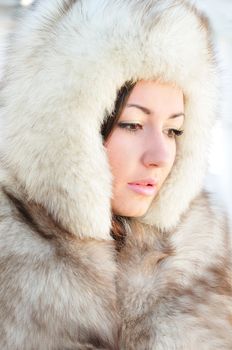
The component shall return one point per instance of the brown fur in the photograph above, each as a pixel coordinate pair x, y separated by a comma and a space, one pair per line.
79, 263
35, 216
192, 308
152, 291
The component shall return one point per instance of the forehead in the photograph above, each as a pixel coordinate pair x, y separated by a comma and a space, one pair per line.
157, 97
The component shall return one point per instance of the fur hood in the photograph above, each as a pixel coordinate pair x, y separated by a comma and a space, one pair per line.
66, 64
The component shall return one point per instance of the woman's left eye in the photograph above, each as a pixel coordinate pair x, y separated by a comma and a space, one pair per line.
130, 126
174, 132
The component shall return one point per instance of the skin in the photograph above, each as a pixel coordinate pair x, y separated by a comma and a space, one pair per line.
143, 144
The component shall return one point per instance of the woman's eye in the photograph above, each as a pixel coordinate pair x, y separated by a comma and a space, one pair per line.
130, 126
174, 132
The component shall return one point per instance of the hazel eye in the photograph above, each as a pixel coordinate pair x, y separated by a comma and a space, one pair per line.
174, 132
130, 126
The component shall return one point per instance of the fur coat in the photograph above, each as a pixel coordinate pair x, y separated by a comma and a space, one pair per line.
63, 284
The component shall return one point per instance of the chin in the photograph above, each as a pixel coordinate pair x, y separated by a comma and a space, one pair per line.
132, 213
130, 207
137, 215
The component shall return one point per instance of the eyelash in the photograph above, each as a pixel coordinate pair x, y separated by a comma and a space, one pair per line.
133, 127
128, 126
175, 132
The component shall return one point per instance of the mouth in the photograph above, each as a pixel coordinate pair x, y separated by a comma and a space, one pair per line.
146, 187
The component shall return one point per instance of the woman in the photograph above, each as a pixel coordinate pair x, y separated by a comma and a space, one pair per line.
106, 239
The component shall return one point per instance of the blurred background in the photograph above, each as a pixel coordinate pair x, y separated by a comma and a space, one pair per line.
219, 178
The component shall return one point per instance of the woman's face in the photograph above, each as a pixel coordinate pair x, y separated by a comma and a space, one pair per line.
142, 146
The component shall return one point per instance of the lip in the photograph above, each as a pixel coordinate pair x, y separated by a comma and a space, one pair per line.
147, 187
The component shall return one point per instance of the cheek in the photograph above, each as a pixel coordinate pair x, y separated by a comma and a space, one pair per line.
120, 154
173, 154
172, 157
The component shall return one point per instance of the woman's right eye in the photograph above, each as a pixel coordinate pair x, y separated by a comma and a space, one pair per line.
130, 126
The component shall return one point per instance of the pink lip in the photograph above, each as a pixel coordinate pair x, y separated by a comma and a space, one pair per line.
146, 187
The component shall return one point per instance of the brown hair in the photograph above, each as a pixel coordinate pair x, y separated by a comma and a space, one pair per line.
118, 228
111, 120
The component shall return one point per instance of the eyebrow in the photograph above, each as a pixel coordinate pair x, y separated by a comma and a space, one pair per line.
148, 111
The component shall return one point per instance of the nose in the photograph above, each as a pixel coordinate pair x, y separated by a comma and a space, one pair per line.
158, 151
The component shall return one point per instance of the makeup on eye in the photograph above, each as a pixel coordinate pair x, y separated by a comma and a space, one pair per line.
130, 126
145, 114
172, 133
135, 126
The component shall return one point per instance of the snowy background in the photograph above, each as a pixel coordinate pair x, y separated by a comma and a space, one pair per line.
219, 178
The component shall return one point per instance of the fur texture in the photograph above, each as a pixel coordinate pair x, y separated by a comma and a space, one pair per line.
64, 73
179, 292
62, 285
